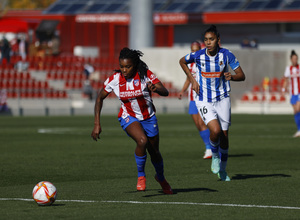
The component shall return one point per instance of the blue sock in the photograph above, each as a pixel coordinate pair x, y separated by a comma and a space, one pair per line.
159, 168
297, 120
140, 163
223, 157
214, 148
205, 137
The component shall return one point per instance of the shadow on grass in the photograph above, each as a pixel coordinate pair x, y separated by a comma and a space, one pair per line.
175, 191
59, 204
240, 155
250, 176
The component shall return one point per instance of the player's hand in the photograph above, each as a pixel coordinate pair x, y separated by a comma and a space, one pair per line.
195, 86
228, 76
180, 95
96, 132
151, 86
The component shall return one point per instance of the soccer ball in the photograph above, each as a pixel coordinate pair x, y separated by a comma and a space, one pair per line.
44, 193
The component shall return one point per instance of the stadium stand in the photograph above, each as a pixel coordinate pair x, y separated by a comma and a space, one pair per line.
169, 6
270, 92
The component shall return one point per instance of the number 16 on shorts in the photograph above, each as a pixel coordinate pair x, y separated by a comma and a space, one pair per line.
207, 111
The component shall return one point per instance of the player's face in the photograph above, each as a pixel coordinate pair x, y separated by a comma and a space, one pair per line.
294, 60
211, 42
127, 68
195, 48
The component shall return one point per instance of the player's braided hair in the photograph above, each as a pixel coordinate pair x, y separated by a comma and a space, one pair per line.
135, 55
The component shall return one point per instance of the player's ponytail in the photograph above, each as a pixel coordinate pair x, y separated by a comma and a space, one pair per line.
213, 29
293, 53
135, 55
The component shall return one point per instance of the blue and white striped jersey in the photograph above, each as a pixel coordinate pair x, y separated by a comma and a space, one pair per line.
211, 69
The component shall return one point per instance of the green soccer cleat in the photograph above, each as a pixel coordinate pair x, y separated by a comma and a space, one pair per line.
223, 176
215, 164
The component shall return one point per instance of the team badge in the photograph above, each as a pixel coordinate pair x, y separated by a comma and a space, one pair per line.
127, 119
221, 63
136, 82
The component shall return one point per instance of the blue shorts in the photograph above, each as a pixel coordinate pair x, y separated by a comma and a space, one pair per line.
295, 99
150, 125
193, 108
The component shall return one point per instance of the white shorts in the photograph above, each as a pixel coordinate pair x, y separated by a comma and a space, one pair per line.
220, 110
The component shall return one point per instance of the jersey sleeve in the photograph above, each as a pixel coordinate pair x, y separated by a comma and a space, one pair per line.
109, 84
152, 77
190, 58
232, 61
287, 72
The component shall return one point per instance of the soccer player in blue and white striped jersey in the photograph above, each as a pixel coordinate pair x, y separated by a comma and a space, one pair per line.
213, 86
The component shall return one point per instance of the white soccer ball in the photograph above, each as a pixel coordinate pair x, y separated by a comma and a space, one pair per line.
44, 193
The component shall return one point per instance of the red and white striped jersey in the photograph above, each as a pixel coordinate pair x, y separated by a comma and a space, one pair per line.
133, 93
293, 74
191, 93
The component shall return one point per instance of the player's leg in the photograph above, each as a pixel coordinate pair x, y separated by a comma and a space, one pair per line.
215, 136
210, 118
224, 114
135, 130
151, 129
204, 134
296, 108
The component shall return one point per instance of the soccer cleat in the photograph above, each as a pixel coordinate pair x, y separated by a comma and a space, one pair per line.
223, 176
215, 165
164, 185
207, 154
141, 184
297, 134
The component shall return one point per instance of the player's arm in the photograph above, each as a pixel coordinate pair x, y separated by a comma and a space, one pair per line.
239, 75
97, 112
284, 85
158, 88
183, 64
184, 88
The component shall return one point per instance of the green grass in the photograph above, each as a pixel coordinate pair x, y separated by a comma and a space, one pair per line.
263, 164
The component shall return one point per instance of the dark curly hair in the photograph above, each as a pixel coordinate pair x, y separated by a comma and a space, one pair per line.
134, 55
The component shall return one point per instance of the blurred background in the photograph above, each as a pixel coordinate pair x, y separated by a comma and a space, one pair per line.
55, 55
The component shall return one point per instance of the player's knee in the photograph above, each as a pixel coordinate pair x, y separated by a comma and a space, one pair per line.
142, 141
215, 131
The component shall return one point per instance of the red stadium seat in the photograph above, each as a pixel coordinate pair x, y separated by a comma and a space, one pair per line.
255, 89
282, 98
245, 97
273, 98
274, 82
255, 98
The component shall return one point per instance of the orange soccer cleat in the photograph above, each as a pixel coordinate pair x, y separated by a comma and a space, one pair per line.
141, 184
165, 186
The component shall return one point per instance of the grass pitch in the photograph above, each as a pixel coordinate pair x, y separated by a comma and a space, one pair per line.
97, 180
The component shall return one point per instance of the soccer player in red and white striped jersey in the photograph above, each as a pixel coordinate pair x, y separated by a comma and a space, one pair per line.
292, 79
133, 84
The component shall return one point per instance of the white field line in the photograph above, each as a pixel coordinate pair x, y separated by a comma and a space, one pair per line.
165, 203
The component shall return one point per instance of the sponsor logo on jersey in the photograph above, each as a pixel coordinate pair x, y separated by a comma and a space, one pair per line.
131, 94
212, 74
152, 76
